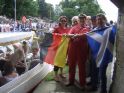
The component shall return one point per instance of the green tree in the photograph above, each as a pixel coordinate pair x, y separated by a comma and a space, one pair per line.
69, 12
23, 7
66, 4
43, 8
57, 12
8, 8
46, 9
49, 11
1, 5
89, 7
27, 8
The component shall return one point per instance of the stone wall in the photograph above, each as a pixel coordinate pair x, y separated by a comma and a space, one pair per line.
118, 79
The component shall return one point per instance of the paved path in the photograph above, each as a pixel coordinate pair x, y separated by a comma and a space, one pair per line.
59, 87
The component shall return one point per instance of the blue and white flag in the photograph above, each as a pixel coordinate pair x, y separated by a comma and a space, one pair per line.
101, 43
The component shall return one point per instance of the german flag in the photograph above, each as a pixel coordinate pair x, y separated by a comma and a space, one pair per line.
54, 49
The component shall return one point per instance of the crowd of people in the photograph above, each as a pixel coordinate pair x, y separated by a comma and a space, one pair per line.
79, 52
9, 25
12, 57
17, 59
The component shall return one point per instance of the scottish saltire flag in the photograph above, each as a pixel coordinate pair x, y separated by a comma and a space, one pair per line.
101, 43
54, 49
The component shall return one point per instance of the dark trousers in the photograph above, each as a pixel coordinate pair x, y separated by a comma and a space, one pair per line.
94, 72
98, 75
103, 77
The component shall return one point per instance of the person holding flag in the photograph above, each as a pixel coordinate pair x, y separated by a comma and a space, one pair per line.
78, 51
61, 29
101, 42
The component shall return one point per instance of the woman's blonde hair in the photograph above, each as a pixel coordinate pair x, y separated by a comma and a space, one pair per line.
74, 18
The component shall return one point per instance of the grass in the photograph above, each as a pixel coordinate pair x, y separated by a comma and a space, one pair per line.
50, 75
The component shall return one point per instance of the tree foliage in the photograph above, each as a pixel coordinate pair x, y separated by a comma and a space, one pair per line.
1, 5
69, 12
45, 10
8, 8
27, 7
23, 7
57, 12
74, 7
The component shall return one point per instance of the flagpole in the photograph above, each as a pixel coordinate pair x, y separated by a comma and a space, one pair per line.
15, 15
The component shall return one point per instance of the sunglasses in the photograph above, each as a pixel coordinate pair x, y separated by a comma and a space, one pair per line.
63, 21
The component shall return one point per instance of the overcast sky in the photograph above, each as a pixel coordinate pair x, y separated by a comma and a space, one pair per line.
110, 9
